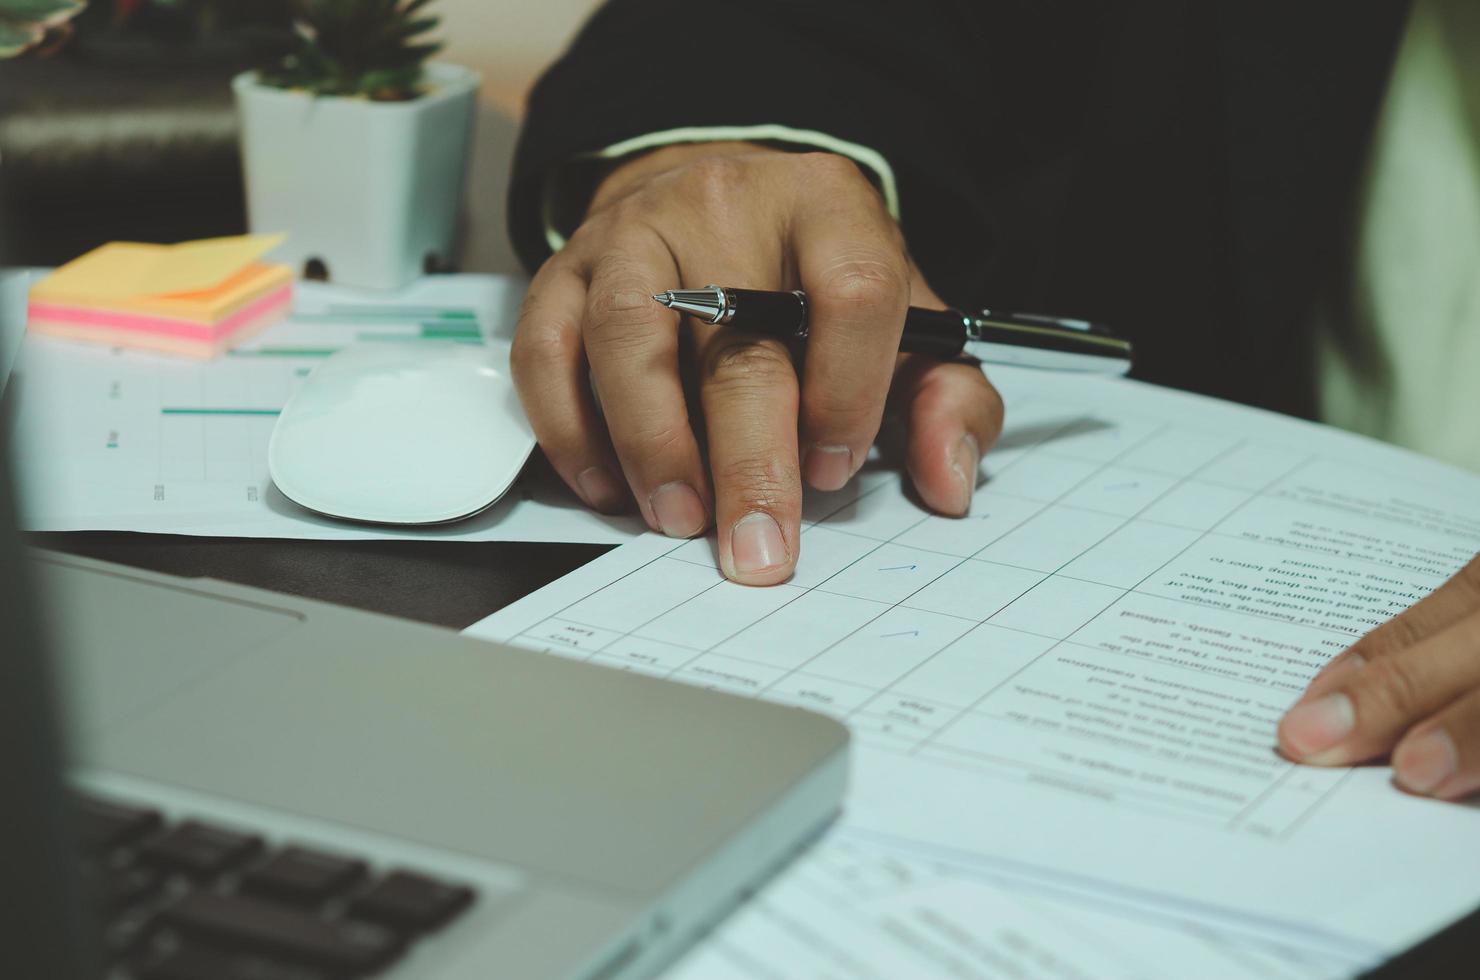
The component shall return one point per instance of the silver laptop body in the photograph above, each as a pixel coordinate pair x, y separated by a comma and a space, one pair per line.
604, 819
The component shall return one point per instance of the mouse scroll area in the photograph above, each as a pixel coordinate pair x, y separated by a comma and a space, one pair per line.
416, 432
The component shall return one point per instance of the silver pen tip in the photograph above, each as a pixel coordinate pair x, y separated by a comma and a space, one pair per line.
665, 298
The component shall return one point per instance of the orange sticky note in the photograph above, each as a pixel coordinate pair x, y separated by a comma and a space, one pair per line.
192, 298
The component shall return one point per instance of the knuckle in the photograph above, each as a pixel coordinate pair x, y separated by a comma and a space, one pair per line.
1392, 686
588, 235
835, 412
1469, 576
621, 218
714, 180
1398, 633
757, 482
864, 282
645, 445
744, 363
619, 303
828, 166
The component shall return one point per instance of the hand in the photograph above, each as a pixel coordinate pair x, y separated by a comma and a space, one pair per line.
1413, 683
739, 215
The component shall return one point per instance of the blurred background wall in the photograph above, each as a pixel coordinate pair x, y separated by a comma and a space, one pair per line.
509, 42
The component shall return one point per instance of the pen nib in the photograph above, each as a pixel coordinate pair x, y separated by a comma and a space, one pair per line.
708, 304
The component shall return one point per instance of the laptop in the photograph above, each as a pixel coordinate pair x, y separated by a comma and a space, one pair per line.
259, 787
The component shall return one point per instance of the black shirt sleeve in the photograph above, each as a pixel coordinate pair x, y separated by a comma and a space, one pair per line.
1181, 169
955, 94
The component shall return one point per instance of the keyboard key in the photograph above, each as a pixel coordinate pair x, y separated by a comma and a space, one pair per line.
302, 876
104, 826
125, 886
200, 963
409, 901
126, 933
250, 925
200, 850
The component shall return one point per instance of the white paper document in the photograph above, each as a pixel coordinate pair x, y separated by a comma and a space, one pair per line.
855, 911
113, 439
1074, 690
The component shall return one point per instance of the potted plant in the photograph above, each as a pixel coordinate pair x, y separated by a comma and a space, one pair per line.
357, 147
26, 24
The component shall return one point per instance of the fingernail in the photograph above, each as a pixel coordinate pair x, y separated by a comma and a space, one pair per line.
964, 460
678, 510
828, 467
600, 488
1313, 728
1422, 764
756, 544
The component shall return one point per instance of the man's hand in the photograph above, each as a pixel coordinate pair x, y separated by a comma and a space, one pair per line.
1413, 683
601, 367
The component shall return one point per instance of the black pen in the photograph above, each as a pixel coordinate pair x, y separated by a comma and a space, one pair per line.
1023, 339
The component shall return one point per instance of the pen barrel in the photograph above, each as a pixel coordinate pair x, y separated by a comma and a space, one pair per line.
939, 333
782, 315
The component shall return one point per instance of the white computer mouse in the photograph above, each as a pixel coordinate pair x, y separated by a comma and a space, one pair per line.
419, 432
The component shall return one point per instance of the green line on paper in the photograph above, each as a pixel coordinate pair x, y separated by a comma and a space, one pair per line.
284, 352
462, 336
437, 331
355, 315
367, 335
220, 411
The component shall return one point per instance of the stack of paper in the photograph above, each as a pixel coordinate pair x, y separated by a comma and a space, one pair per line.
194, 298
1073, 691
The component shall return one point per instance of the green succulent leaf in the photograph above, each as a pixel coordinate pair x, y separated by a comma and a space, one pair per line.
17, 37
370, 48
26, 23
44, 11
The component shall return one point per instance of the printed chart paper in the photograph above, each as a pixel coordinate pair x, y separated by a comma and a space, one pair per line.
121, 440
1076, 687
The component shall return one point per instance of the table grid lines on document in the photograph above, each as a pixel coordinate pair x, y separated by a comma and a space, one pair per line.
872, 627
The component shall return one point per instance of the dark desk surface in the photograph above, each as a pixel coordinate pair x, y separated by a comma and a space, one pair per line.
452, 584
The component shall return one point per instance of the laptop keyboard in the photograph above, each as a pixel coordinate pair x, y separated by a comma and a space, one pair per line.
190, 900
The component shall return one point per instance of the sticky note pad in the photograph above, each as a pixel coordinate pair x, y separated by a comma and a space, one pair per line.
193, 298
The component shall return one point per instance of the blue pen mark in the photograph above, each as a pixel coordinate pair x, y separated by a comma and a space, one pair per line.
1124, 486
889, 636
896, 568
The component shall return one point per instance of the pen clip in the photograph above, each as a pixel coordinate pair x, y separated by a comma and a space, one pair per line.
1061, 344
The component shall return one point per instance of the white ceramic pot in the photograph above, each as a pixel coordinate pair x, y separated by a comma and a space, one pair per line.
370, 189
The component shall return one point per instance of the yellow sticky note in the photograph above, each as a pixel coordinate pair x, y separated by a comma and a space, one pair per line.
120, 272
